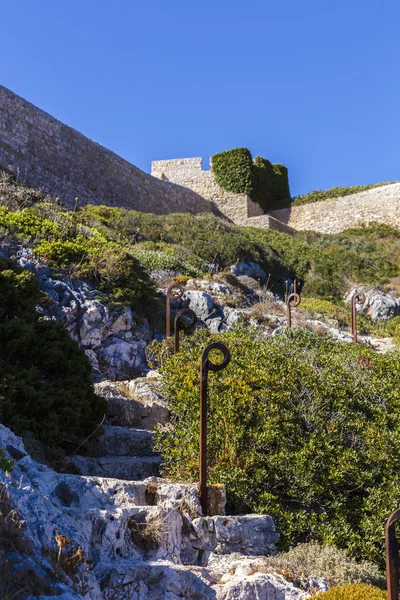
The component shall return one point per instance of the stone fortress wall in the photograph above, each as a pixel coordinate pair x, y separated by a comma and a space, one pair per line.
238, 208
381, 205
47, 154
189, 172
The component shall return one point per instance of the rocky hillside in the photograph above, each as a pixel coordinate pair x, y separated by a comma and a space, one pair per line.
92, 499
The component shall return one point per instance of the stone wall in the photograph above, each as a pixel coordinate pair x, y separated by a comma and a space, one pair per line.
189, 172
381, 205
47, 154
269, 222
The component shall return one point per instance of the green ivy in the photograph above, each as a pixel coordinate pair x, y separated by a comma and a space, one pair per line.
270, 184
233, 170
265, 183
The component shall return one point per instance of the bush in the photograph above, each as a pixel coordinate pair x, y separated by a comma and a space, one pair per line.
318, 309
44, 378
358, 591
336, 192
328, 562
5, 463
265, 183
301, 427
157, 259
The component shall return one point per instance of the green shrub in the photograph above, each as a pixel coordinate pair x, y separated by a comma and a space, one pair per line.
357, 591
265, 183
5, 463
233, 170
157, 259
324, 309
336, 192
301, 427
44, 378
328, 562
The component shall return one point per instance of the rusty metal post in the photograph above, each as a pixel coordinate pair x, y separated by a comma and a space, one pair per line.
205, 367
189, 313
174, 291
392, 556
292, 300
358, 298
295, 286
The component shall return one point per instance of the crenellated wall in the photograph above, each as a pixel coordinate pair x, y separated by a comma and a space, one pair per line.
47, 154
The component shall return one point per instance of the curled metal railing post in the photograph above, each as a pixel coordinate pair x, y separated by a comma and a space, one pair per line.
358, 298
292, 300
205, 367
178, 320
174, 291
392, 556
295, 286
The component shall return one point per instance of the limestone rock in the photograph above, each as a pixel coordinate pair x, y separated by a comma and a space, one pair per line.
201, 303
213, 287
263, 586
378, 305
251, 269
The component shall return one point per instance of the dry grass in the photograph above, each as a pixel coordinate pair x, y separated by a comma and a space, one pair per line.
147, 532
328, 562
69, 564
14, 196
261, 311
11, 526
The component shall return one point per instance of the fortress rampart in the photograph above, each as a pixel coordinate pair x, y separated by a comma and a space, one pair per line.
47, 154
380, 205
189, 172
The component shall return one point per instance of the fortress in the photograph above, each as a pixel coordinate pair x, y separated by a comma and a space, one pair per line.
44, 153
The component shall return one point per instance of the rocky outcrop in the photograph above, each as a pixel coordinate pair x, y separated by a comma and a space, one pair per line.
113, 338
147, 539
378, 305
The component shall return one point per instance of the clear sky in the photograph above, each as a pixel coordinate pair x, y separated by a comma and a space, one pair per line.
314, 84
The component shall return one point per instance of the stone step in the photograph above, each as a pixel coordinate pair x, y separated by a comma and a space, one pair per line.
128, 468
122, 441
142, 413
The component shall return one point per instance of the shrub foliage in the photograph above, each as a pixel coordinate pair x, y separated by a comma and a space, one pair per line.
301, 427
44, 378
265, 183
336, 192
356, 591
115, 248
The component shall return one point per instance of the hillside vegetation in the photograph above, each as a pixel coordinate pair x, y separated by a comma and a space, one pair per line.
336, 192
301, 427
114, 248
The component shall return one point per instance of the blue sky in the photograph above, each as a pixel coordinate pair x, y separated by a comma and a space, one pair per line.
314, 84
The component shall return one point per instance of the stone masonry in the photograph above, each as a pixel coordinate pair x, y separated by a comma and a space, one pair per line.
381, 205
44, 153
189, 172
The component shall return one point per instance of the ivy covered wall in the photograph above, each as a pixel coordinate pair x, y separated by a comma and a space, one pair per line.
264, 182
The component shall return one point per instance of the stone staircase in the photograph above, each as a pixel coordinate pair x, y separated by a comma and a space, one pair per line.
125, 449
